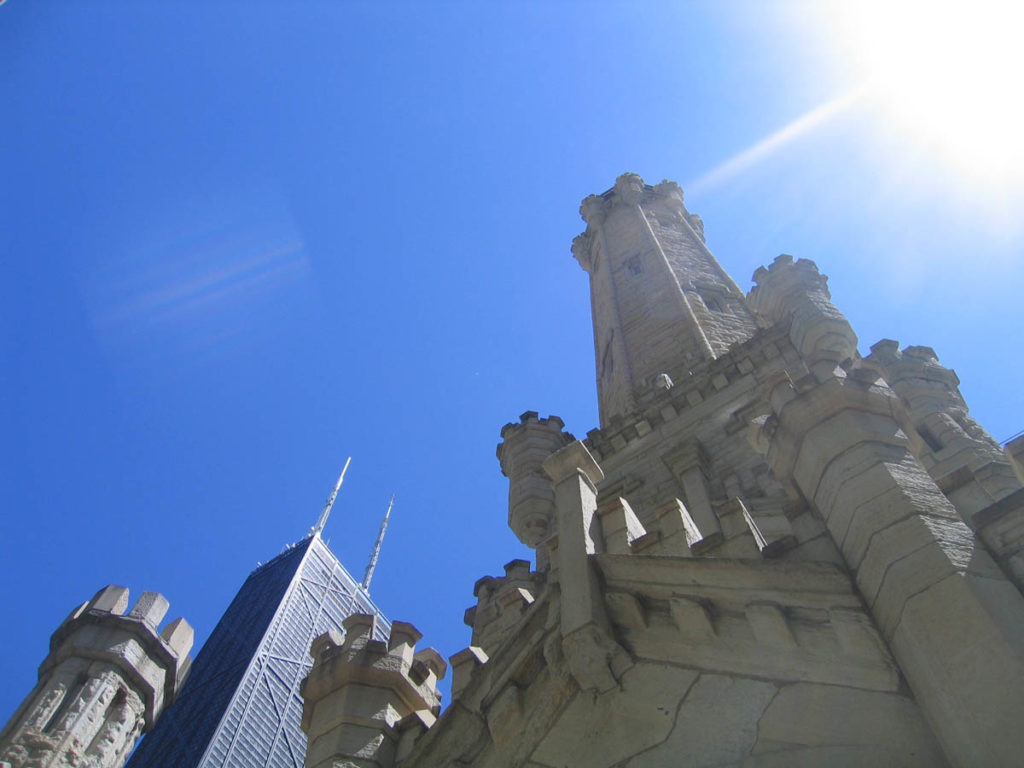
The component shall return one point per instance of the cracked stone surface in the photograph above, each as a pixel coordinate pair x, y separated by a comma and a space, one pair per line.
604, 730
724, 711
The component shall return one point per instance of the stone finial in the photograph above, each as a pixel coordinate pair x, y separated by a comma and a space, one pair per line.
628, 189
531, 499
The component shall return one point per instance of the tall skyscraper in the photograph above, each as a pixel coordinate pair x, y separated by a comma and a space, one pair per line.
240, 706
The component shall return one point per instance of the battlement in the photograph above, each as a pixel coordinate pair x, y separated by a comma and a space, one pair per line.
107, 678
913, 362
501, 603
366, 697
99, 629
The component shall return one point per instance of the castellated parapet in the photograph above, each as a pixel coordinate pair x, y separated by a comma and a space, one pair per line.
106, 680
772, 553
366, 701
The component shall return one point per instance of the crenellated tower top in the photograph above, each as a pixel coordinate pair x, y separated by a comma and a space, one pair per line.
661, 302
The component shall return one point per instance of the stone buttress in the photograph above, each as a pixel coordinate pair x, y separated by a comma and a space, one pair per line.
107, 678
773, 552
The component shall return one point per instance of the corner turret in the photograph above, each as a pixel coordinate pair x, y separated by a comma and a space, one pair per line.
531, 498
797, 293
366, 701
106, 680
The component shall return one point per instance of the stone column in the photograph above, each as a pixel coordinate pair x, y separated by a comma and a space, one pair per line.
953, 621
594, 657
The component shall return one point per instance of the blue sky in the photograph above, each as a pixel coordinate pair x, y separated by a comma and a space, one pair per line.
242, 241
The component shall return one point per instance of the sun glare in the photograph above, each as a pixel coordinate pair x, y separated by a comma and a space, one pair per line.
949, 73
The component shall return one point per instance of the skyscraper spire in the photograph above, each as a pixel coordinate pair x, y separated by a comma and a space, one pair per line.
376, 547
319, 527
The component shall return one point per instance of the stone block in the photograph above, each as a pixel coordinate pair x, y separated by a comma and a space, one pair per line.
959, 644
906, 558
620, 526
625, 609
692, 619
179, 635
822, 716
464, 664
151, 608
111, 599
716, 724
603, 731
770, 627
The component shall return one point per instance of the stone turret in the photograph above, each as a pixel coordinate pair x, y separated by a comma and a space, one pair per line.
107, 678
366, 701
796, 293
958, 453
531, 498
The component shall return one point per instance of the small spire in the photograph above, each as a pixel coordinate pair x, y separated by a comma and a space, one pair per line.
376, 547
319, 527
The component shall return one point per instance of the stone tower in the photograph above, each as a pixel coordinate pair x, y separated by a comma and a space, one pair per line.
107, 678
773, 552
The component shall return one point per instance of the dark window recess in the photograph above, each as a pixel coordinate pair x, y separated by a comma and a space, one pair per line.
634, 266
713, 304
931, 440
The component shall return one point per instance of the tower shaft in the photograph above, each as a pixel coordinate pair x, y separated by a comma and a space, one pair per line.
661, 303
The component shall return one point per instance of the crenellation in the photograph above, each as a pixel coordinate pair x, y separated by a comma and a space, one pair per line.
360, 693
106, 680
759, 558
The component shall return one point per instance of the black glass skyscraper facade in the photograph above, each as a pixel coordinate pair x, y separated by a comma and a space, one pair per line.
240, 707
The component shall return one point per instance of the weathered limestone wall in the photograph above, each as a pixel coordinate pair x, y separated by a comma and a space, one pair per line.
772, 552
107, 678
627, 660
954, 622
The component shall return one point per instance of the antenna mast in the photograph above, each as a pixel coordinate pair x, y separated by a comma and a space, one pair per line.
319, 527
376, 547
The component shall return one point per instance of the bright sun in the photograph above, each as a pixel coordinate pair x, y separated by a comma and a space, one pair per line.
950, 73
